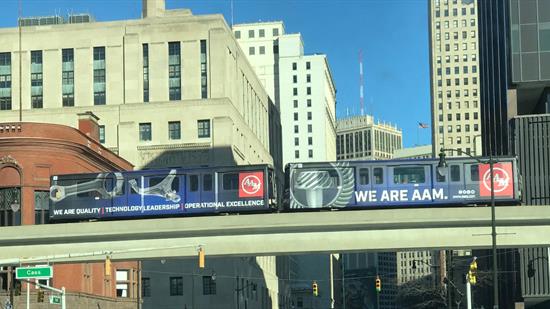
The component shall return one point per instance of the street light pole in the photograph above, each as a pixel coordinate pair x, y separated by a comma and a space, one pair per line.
491, 162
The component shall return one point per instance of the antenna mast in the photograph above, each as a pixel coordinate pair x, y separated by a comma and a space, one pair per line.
361, 97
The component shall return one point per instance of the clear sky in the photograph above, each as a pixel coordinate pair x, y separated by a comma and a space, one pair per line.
393, 35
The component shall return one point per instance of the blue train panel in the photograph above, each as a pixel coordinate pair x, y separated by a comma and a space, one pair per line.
399, 183
157, 193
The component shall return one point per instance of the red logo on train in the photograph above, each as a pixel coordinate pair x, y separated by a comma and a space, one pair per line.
503, 179
251, 184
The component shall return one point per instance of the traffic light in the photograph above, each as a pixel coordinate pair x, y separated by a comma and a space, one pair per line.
378, 284
472, 272
201, 257
40, 296
315, 288
107, 266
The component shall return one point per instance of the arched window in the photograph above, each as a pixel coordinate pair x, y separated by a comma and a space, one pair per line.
10, 196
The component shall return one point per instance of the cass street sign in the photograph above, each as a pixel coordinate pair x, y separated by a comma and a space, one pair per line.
54, 299
41, 272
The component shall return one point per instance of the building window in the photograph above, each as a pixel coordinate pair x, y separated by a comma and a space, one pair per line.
261, 33
251, 34
67, 75
145, 131
275, 31
174, 71
310, 141
204, 70
297, 154
237, 34
174, 130
308, 115
295, 116
296, 141
308, 78
203, 128
310, 153
309, 128
122, 283
41, 207
36, 79
99, 76
308, 102
146, 287
294, 66
208, 284
262, 50
102, 134
5, 81
251, 50
295, 91
145, 49
294, 79
308, 65
296, 129
8, 198
308, 90
295, 103
176, 286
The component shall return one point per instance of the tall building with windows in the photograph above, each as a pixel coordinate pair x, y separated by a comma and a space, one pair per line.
360, 138
169, 89
454, 59
301, 85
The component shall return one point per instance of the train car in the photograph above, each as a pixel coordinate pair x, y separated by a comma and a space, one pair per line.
399, 183
166, 192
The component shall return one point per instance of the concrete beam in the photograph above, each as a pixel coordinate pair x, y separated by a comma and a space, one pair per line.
277, 234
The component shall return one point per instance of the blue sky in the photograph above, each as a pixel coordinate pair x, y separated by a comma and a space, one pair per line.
393, 35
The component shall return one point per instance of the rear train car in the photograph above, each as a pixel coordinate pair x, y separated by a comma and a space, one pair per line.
160, 193
399, 183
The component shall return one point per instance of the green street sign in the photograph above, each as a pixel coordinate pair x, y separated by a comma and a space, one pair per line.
55, 299
41, 272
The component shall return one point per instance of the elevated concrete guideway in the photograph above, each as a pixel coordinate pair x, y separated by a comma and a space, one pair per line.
277, 234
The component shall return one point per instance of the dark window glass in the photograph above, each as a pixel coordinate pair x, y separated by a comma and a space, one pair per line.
145, 131
207, 182
363, 176
153, 181
174, 130
146, 287
455, 173
208, 285
474, 172
176, 286
378, 175
203, 128
231, 181
102, 134
41, 207
193, 183
99, 53
409, 174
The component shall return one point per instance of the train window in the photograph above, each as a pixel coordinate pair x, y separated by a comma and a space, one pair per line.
305, 178
363, 176
231, 181
153, 181
455, 172
193, 183
378, 175
207, 182
409, 174
474, 172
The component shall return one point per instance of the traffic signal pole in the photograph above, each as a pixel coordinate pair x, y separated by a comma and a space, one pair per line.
468, 293
47, 287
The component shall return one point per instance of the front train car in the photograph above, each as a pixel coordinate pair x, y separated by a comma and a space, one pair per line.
400, 183
159, 193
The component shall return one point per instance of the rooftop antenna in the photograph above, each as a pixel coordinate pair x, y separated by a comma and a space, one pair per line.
361, 97
231, 13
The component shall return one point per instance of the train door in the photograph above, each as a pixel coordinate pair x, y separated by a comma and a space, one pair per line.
456, 181
363, 192
410, 184
199, 188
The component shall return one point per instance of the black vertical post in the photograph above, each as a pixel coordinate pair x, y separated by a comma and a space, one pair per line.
494, 234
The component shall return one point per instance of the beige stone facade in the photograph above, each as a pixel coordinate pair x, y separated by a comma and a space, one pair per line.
236, 104
455, 81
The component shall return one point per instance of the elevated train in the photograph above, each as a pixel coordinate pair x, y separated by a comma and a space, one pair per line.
308, 186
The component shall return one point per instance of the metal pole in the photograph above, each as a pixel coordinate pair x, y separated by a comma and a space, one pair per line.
63, 303
28, 295
494, 234
468, 293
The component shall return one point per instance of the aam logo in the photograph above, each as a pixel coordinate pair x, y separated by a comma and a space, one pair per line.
502, 179
251, 184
